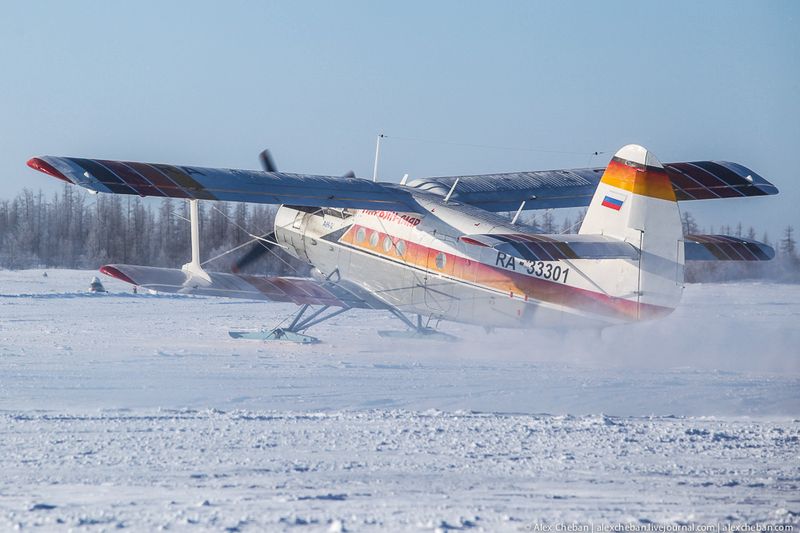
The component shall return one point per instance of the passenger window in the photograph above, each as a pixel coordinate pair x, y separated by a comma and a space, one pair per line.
441, 261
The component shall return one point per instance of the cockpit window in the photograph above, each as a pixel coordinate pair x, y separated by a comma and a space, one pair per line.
338, 213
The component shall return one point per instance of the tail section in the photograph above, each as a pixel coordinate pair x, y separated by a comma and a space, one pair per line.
635, 202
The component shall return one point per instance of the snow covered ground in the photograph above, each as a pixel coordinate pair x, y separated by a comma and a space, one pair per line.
140, 411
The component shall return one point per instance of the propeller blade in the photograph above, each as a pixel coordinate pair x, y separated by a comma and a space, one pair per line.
257, 249
267, 163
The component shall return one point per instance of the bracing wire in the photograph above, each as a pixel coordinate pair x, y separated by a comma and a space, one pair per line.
493, 147
228, 252
253, 239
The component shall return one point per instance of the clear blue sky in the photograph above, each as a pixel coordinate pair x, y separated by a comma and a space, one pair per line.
212, 83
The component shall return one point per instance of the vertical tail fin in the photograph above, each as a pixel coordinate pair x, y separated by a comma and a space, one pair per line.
635, 202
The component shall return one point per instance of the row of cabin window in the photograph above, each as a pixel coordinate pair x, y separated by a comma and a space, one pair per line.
400, 245
374, 237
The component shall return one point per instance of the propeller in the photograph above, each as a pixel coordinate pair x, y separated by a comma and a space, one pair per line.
260, 247
267, 163
266, 242
257, 249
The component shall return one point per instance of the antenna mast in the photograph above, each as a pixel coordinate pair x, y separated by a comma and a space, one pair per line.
377, 156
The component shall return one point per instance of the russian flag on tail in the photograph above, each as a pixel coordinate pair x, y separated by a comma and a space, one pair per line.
612, 203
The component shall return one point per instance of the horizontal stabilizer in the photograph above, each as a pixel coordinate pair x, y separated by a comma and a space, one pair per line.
554, 247
272, 288
725, 248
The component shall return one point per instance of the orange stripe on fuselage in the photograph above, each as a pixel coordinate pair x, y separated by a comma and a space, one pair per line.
648, 181
502, 280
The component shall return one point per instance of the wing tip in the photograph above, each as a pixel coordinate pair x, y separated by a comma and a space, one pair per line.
767, 250
114, 272
37, 163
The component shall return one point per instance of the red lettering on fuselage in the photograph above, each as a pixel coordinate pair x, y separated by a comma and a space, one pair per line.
391, 216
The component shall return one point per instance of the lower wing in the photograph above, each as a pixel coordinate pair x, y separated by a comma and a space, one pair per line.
300, 291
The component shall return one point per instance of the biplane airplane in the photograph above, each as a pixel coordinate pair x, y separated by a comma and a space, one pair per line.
437, 247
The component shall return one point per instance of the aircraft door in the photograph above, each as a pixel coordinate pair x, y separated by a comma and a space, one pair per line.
335, 259
298, 234
440, 294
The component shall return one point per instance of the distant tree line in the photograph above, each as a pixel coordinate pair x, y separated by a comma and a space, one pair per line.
73, 229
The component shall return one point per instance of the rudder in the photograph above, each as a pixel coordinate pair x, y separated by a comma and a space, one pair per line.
635, 202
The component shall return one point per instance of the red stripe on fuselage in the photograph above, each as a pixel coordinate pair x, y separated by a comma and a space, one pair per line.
503, 280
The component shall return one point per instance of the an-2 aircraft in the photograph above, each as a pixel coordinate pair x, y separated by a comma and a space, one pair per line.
436, 247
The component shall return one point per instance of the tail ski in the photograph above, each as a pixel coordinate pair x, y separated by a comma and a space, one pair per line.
635, 202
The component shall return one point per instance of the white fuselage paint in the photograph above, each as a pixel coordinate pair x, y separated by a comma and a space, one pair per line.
475, 286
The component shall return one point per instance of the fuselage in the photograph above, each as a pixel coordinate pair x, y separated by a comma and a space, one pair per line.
427, 264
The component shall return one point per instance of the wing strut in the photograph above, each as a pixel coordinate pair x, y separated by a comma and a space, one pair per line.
194, 267
516, 215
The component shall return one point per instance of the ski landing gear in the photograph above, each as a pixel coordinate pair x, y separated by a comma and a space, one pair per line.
417, 331
292, 333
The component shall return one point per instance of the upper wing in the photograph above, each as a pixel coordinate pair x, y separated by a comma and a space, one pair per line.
546, 189
699, 180
272, 288
146, 179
